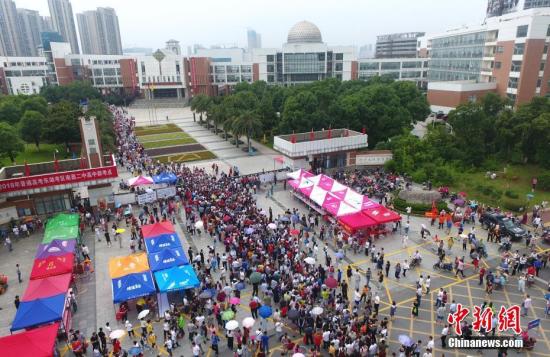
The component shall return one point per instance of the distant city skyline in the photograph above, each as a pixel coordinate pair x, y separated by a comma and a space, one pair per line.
214, 22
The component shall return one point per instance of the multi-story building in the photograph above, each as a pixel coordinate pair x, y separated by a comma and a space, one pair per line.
161, 74
61, 12
10, 42
99, 32
254, 39
31, 24
397, 45
507, 54
404, 69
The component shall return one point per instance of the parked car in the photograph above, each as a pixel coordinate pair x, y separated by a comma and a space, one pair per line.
507, 225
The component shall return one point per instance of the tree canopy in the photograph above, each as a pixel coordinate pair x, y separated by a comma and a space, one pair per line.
10, 143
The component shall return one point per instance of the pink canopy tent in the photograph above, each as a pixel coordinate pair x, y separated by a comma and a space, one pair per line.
140, 180
346, 209
382, 215
332, 206
325, 182
318, 195
294, 183
340, 194
298, 174
357, 221
306, 191
337, 186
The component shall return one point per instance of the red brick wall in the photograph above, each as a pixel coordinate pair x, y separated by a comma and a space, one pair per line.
529, 70
503, 73
452, 99
3, 82
64, 72
255, 72
128, 73
354, 70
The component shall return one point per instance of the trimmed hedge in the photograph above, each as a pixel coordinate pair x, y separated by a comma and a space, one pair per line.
417, 208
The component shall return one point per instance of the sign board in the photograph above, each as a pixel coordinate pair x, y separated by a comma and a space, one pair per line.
532, 324
6, 214
373, 159
124, 199
166, 192
147, 197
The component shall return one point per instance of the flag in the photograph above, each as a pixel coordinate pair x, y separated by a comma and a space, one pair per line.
27, 169
329, 135
56, 165
311, 135
293, 138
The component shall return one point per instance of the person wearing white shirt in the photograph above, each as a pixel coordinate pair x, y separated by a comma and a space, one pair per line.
428, 353
444, 334
430, 344
129, 328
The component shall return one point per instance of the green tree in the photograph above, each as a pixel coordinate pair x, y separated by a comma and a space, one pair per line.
31, 127
10, 143
10, 112
200, 104
62, 123
35, 103
73, 92
247, 124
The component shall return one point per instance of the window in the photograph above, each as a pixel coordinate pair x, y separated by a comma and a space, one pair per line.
522, 31
539, 82
541, 68
415, 64
270, 78
516, 66
338, 67
270, 68
109, 72
545, 50
365, 66
472, 98
500, 49
51, 204
391, 65
511, 96
519, 48
498, 65
339, 56
548, 31
91, 141
512, 82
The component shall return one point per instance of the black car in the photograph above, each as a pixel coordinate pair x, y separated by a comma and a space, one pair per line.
507, 226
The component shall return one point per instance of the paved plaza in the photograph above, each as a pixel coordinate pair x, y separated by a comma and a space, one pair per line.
95, 307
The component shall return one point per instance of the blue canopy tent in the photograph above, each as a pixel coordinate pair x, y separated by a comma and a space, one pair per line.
165, 177
177, 278
163, 241
38, 312
167, 258
132, 286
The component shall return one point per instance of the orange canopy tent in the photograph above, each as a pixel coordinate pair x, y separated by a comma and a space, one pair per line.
129, 264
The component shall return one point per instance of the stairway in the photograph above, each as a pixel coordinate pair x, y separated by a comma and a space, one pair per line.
159, 103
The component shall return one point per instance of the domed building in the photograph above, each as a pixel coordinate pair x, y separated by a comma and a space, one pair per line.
304, 32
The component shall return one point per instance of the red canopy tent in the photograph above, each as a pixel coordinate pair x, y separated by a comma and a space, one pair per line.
382, 215
52, 265
50, 286
356, 221
37, 342
156, 229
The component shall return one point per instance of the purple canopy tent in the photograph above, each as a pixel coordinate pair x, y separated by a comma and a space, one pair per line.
55, 247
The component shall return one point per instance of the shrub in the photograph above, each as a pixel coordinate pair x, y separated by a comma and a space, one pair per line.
417, 208
419, 176
511, 194
512, 205
544, 181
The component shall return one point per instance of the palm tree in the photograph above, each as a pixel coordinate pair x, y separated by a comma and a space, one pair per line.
249, 124
218, 115
200, 104
228, 128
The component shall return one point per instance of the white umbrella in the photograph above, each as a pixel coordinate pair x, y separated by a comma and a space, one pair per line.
248, 322
117, 334
298, 355
310, 260
231, 325
142, 314
199, 224
317, 310
272, 226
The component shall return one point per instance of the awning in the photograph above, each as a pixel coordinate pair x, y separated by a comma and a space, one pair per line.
61, 233
50, 286
132, 286
140, 180
63, 220
37, 342
38, 312
357, 221
177, 278
55, 248
156, 229
128, 264
52, 265
167, 258
382, 215
165, 177
298, 174
164, 241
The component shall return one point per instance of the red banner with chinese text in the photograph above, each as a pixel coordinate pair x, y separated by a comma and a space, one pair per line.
57, 178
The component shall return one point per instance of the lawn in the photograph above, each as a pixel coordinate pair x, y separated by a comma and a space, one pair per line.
508, 190
33, 156
157, 129
165, 136
171, 142
190, 156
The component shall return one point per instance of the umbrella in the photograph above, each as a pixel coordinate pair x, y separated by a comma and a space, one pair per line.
294, 232
285, 219
142, 314
292, 314
134, 351
265, 311
234, 301
339, 255
249, 230
317, 310
331, 282
298, 354
231, 325
547, 296
228, 315
310, 260
248, 322
226, 218
240, 286
459, 202
463, 194
117, 334
272, 226
206, 294
199, 224
120, 230
255, 277
405, 340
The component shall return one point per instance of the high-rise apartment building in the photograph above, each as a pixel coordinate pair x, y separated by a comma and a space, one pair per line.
254, 39
10, 44
397, 45
99, 32
61, 13
31, 25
